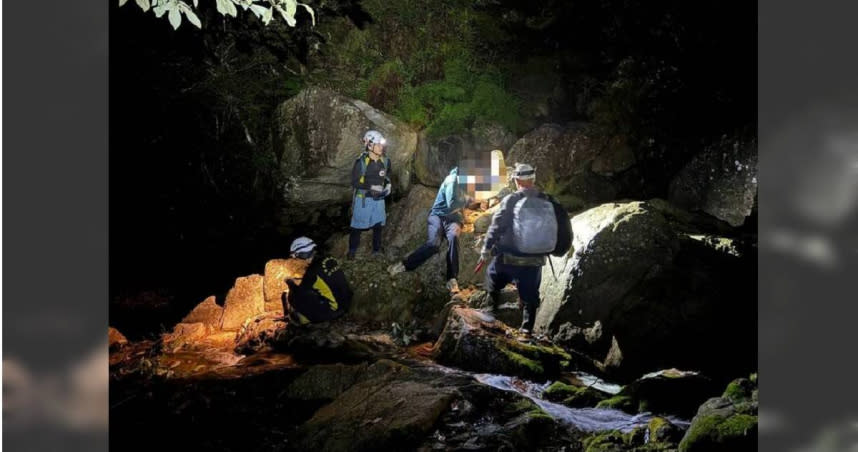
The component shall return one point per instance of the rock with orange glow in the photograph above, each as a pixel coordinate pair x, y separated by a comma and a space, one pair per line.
274, 282
208, 313
245, 300
115, 338
184, 334
259, 332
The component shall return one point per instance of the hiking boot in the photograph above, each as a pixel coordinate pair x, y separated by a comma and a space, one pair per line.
524, 335
396, 268
453, 285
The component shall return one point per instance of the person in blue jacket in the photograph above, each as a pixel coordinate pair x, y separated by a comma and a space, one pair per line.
371, 183
444, 217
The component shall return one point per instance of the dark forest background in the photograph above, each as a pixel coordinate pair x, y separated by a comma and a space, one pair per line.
194, 187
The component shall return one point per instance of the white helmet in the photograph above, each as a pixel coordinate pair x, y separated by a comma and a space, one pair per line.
302, 248
373, 137
523, 171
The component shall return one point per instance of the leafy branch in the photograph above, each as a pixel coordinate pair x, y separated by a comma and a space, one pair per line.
262, 9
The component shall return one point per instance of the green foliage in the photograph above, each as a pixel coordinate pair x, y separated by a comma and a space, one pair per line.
262, 9
425, 63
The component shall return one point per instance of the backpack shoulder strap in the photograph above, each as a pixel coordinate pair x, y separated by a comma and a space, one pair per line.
364, 162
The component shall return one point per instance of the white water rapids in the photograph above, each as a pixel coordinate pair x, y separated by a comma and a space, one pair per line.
585, 419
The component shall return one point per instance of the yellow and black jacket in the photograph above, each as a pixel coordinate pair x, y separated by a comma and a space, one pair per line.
324, 294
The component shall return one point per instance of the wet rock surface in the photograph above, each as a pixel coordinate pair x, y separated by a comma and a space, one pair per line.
474, 340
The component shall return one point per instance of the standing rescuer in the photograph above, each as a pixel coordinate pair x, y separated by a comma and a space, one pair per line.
527, 227
322, 294
371, 183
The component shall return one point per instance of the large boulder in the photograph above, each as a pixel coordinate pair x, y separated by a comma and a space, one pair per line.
475, 341
728, 422
574, 163
663, 298
668, 391
244, 301
208, 313
721, 180
378, 414
615, 247
317, 139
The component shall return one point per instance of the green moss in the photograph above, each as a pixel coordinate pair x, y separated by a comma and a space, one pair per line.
518, 360
655, 424
738, 390
523, 405
715, 430
753, 378
603, 441
620, 402
559, 390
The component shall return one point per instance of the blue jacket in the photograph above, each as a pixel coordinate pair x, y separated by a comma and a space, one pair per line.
451, 198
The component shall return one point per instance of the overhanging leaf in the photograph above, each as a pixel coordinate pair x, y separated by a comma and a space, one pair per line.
222, 6
122, 2
192, 18
259, 10
266, 16
230, 6
175, 18
159, 10
287, 16
143, 4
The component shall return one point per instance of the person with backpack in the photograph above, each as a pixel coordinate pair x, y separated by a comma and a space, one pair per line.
445, 218
528, 226
322, 294
371, 183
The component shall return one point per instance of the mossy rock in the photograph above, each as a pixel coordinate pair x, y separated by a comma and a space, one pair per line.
573, 396
668, 391
715, 433
739, 390
663, 431
620, 402
559, 391
476, 341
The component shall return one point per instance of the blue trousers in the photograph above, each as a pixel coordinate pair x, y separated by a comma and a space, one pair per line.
526, 279
435, 225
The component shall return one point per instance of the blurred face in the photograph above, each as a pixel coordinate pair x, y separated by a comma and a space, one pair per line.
483, 173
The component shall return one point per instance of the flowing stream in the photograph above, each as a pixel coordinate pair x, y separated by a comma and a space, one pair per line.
586, 419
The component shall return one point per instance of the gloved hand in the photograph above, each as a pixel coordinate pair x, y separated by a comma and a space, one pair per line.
387, 189
486, 255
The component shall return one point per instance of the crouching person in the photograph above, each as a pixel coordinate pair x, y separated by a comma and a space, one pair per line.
322, 294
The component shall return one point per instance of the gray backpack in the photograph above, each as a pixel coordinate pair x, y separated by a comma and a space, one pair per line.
534, 225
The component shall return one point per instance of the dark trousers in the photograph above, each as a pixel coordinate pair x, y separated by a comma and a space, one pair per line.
308, 303
526, 279
435, 226
354, 239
